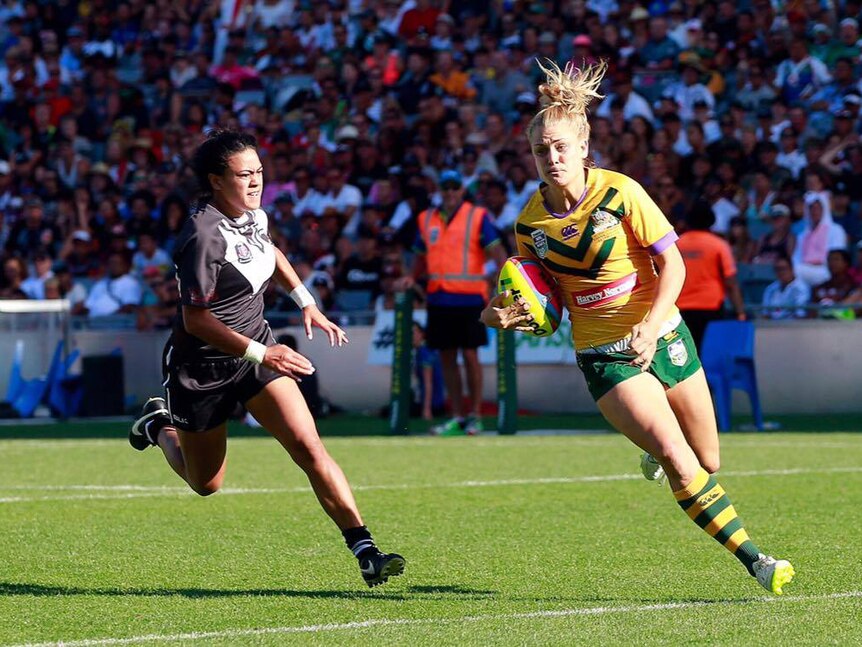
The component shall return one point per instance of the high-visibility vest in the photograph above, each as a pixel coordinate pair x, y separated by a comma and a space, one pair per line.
455, 257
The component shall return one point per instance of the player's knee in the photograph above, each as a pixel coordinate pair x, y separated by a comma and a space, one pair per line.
206, 488
308, 453
677, 458
711, 463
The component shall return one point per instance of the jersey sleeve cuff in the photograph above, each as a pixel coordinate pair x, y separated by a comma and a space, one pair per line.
663, 243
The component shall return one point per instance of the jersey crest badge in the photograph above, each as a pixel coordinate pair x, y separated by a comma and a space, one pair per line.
243, 253
603, 220
540, 242
569, 231
678, 353
434, 235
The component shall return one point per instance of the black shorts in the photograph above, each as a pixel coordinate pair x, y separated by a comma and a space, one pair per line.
455, 327
203, 394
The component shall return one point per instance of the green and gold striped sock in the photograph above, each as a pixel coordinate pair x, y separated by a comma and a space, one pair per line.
705, 501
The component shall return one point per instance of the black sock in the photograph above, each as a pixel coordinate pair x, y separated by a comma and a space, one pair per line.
359, 540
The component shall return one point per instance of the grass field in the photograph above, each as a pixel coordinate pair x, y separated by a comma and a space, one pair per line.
526, 540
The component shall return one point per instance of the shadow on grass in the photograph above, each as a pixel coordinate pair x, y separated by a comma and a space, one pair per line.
413, 592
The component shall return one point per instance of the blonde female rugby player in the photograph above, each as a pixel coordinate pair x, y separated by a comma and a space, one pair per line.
599, 234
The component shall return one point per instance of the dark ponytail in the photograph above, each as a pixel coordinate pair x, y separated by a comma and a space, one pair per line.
212, 155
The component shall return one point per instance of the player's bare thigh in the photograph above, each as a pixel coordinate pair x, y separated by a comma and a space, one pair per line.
692, 404
282, 411
639, 409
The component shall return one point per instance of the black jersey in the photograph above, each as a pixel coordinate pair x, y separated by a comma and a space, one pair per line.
223, 264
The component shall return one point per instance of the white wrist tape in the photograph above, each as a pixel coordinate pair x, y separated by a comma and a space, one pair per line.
302, 297
255, 352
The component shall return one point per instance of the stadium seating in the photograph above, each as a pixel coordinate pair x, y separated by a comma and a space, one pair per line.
32, 392
753, 279
727, 355
66, 391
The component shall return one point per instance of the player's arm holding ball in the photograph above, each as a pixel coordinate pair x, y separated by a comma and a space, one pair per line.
507, 313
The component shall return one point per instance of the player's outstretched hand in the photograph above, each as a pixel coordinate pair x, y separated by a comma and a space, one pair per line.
511, 317
643, 345
312, 316
283, 359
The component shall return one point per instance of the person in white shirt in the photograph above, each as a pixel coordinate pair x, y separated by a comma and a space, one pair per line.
690, 90
821, 235
303, 195
497, 204
519, 186
723, 208
344, 198
150, 255
34, 285
784, 297
119, 292
789, 156
634, 105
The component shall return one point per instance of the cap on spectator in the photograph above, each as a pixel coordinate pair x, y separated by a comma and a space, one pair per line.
639, 13
347, 132
284, 196
343, 148
582, 40
526, 97
450, 176
60, 267
779, 210
691, 59
32, 201
820, 28
853, 99
82, 235
445, 17
694, 24
849, 22
700, 103
547, 38
99, 168
844, 114
5, 169
75, 32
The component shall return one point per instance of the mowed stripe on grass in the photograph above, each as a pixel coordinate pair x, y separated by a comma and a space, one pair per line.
508, 541
390, 622
109, 492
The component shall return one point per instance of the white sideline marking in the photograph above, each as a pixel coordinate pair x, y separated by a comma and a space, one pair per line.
135, 492
387, 622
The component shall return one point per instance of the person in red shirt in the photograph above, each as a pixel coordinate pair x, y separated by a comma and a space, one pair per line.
422, 16
710, 273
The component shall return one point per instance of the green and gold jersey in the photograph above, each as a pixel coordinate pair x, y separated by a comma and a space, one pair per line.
600, 253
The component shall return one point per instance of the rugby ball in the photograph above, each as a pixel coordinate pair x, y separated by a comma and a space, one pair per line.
526, 278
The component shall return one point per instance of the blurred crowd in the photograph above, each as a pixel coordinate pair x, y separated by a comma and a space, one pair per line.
359, 105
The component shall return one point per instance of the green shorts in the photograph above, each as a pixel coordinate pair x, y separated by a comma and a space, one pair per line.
675, 360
